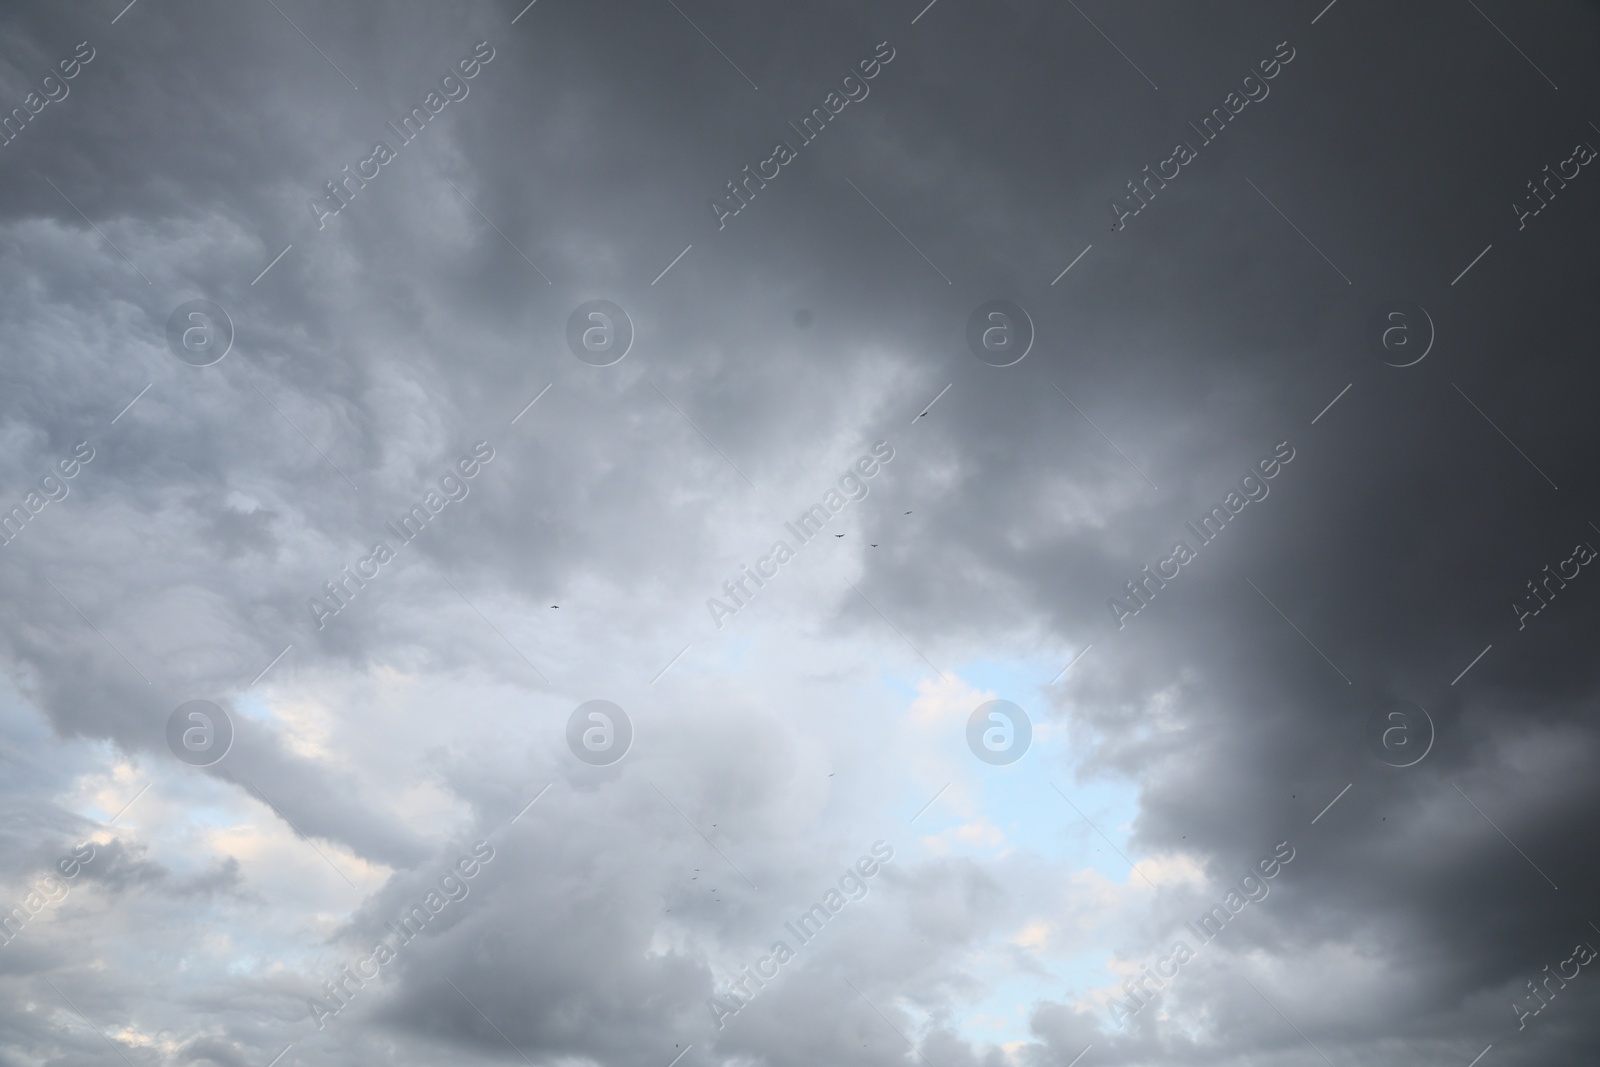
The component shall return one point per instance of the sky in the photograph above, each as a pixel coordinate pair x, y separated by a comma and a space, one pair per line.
506, 509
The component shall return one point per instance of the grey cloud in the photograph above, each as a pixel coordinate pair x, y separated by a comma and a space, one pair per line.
380, 348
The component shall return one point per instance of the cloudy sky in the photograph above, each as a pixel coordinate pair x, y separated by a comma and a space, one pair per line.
315, 418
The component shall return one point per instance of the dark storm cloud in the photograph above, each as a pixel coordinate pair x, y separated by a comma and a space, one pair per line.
1173, 356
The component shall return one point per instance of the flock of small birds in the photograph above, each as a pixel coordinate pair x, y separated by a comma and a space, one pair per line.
836, 535
696, 878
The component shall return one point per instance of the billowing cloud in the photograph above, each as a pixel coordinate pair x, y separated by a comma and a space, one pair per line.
1276, 534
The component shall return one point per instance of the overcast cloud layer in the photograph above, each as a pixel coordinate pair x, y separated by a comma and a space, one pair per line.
306, 417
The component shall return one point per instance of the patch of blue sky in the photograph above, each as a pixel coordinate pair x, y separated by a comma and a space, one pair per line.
1027, 803
1022, 799
253, 705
